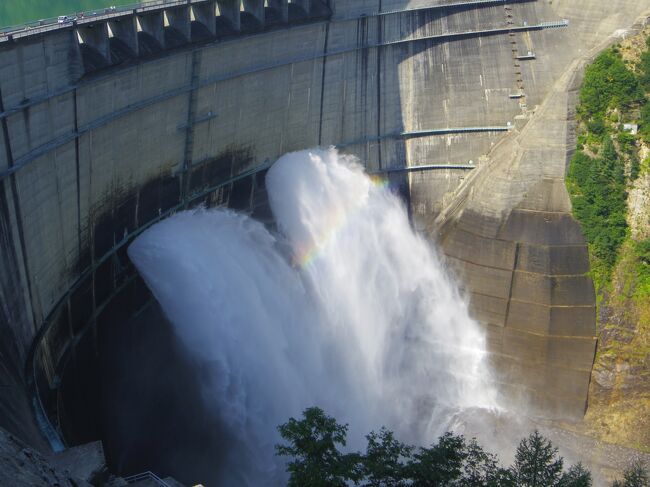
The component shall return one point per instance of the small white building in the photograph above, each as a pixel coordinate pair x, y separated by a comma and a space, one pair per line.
631, 128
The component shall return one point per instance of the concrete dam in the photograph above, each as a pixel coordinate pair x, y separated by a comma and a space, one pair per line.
113, 122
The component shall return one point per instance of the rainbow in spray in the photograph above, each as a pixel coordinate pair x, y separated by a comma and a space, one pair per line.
337, 220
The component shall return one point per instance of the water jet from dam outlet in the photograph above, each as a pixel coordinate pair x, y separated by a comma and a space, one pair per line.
344, 307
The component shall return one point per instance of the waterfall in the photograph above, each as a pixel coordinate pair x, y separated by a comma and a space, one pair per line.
344, 307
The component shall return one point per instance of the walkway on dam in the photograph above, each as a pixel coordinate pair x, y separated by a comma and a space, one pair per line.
115, 13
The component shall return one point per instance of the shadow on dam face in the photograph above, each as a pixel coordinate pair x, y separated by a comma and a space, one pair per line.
125, 379
136, 386
133, 384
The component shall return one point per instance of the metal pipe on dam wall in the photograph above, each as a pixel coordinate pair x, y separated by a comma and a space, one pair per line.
114, 122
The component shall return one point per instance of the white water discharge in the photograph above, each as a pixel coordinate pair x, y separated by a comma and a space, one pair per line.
346, 308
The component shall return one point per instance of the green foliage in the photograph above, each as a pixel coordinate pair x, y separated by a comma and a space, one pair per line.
315, 460
597, 189
644, 129
634, 476
481, 469
537, 463
313, 446
644, 67
626, 142
577, 476
608, 84
384, 461
597, 183
440, 464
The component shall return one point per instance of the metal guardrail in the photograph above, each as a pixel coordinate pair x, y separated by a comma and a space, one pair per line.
450, 4
148, 475
423, 167
552, 25
420, 133
481, 32
456, 130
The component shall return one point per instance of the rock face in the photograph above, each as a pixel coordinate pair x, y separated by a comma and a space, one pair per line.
619, 395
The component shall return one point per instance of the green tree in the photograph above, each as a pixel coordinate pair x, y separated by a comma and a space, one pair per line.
634, 476
608, 84
313, 447
481, 469
644, 67
598, 194
440, 464
384, 464
644, 128
577, 476
315, 460
537, 463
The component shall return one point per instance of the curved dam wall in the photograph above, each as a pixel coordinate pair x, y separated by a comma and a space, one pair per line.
113, 123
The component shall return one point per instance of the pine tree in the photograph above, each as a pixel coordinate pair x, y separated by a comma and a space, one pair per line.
440, 464
577, 476
481, 469
537, 463
634, 476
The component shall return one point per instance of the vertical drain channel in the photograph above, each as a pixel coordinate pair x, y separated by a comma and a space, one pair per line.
512, 281
189, 129
322, 85
19, 217
379, 50
76, 156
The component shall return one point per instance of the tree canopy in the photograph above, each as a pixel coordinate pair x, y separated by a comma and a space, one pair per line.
314, 459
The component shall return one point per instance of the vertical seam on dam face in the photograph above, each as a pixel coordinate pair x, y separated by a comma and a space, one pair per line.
322, 85
19, 219
76, 154
512, 280
379, 51
189, 132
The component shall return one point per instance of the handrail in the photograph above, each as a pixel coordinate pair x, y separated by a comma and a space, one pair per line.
451, 4
148, 475
423, 167
131, 479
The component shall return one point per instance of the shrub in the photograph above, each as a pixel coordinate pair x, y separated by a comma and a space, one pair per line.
597, 189
608, 84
